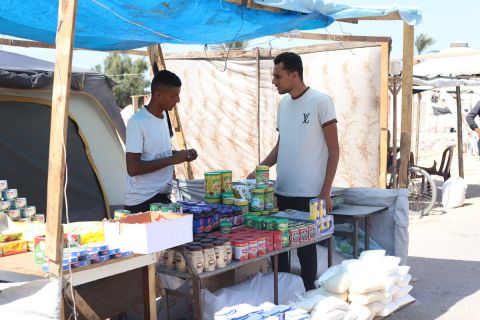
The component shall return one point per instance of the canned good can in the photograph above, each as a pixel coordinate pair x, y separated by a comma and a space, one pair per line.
19, 203
213, 184
30, 211
156, 206
258, 199
226, 180
40, 218
9, 194
121, 213
5, 205
14, 214
3, 185
269, 199
262, 174
213, 200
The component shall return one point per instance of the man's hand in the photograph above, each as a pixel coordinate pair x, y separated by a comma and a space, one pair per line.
184, 155
477, 130
328, 201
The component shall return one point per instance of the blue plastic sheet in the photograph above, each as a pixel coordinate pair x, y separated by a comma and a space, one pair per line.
122, 25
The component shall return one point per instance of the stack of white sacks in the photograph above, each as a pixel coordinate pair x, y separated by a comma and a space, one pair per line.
374, 285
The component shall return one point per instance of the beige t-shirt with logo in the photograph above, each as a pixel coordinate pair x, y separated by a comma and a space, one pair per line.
303, 154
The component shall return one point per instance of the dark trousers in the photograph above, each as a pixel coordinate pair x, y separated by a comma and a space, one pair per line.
306, 255
145, 206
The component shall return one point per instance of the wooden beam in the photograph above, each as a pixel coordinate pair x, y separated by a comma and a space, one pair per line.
384, 59
149, 292
157, 63
81, 305
44, 45
334, 37
417, 127
267, 53
135, 102
257, 51
459, 133
392, 16
58, 134
407, 84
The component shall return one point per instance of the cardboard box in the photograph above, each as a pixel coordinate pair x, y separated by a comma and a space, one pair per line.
149, 231
13, 247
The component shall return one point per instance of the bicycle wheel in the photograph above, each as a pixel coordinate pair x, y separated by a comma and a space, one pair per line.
422, 191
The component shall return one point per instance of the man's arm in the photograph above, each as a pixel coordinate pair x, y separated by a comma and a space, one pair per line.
270, 160
331, 138
136, 166
471, 118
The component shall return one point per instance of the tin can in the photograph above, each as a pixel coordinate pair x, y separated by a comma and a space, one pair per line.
30, 211
312, 232
3, 185
269, 198
262, 174
213, 200
285, 239
240, 250
294, 236
303, 233
242, 203
9, 194
226, 180
14, 214
156, 206
228, 201
40, 218
5, 205
213, 184
19, 203
258, 199
282, 225
118, 214
252, 248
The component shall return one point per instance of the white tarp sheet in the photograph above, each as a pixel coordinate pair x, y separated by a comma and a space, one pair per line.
219, 113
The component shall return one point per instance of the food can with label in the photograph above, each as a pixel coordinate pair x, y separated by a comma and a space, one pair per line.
213, 184
258, 199
269, 198
120, 213
3, 185
226, 180
9, 194
262, 174
242, 203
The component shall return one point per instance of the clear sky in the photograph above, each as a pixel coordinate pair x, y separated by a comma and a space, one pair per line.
444, 21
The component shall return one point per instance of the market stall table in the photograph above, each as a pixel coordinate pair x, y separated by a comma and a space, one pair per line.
352, 214
102, 289
197, 278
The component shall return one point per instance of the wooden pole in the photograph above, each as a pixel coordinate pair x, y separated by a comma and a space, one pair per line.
58, 133
417, 137
158, 63
382, 179
459, 133
396, 90
407, 84
258, 103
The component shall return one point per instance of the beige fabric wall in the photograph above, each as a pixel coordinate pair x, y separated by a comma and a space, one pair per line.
219, 114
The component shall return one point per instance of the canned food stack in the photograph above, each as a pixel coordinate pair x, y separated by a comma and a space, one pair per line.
82, 256
176, 207
218, 187
205, 253
16, 207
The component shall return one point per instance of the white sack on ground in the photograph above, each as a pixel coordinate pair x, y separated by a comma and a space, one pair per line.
35, 300
453, 192
254, 292
324, 292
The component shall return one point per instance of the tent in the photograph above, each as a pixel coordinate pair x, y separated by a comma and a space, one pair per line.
95, 156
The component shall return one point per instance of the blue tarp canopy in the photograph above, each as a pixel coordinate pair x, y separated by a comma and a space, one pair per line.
121, 25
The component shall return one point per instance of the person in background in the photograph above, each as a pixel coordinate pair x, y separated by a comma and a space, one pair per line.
149, 155
471, 122
306, 153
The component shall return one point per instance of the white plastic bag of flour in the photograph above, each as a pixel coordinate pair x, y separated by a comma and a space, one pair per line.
453, 192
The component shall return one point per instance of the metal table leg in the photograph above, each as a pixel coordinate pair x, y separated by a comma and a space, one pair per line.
330, 251
355, 238
367, 232
275, 278
197, 298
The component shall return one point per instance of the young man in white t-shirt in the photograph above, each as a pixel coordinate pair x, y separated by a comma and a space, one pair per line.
306, 153
149, 155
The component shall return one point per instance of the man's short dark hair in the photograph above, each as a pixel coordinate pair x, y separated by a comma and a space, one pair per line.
165, 78
291, 62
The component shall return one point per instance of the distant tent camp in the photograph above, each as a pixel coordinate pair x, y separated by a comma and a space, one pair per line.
96, 133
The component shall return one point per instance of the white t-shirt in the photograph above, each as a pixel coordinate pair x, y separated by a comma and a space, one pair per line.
303, 153
148, 135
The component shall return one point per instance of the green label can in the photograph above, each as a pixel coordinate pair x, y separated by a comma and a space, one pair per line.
213, 184
226, 180
262, 174
269, 199
118, 214
258, 200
